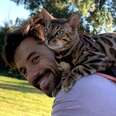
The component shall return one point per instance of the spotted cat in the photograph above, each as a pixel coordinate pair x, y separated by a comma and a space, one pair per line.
78, 54
85, 53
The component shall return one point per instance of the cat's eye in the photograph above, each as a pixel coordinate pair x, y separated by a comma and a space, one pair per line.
59, 33
45, 30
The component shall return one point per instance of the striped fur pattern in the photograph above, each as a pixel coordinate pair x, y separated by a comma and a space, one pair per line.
85, 53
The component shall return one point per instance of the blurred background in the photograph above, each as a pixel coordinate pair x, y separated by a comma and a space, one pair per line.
17, 97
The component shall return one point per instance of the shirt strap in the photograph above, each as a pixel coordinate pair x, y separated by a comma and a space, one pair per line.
112, 78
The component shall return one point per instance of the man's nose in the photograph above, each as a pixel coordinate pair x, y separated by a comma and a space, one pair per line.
31, 74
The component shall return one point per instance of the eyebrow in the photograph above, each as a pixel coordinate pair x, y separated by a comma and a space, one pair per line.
30, 55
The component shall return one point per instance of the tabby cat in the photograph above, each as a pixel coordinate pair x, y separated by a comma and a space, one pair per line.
85, 53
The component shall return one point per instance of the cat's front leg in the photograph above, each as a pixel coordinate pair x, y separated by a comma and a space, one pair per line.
89, 66
74, 75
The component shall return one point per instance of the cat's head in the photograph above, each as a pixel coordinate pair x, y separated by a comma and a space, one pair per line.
60, 33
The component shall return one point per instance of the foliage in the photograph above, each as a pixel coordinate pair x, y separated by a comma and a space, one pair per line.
8, 26
4, 69
3, 31
97, 15
18, 98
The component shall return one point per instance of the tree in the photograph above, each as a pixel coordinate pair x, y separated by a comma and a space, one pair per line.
8, 26
97, 15
4, 69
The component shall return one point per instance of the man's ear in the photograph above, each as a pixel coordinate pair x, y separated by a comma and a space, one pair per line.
46, 16
74, 21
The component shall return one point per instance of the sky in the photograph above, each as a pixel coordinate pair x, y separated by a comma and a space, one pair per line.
10, 11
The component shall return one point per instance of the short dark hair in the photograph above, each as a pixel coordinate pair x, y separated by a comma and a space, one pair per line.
12, 41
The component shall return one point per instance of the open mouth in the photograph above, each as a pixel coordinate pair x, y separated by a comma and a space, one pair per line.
42, 80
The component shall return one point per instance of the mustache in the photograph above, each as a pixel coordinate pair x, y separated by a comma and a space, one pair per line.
38, 77
56, 70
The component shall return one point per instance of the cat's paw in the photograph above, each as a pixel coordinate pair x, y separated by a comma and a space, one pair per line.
68, 84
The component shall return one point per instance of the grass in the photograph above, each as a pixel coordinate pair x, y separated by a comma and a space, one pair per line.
18, 98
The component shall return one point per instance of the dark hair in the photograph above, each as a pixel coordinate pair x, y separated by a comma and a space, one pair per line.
12, 41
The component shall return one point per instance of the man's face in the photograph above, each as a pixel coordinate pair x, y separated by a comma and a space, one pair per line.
37, 63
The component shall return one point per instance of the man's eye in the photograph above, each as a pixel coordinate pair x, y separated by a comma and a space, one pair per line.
35, 60
23, 71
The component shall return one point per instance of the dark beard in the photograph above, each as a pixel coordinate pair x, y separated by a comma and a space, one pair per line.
57, 82
56, 76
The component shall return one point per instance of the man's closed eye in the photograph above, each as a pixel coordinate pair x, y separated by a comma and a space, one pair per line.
35, 60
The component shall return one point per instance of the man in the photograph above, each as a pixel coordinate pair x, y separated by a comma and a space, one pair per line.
33, 60
90, 96
93, 95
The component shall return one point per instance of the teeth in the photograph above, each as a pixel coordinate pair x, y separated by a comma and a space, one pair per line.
39, 78
43, 82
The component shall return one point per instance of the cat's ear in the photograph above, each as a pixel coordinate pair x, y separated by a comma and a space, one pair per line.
46, 16
74, 20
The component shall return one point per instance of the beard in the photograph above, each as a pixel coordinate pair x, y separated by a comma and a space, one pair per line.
48, 79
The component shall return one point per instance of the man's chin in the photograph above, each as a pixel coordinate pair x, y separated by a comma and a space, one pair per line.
48, 84
48, 91
49, 94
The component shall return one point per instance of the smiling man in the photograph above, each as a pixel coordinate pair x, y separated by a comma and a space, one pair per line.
92, 95
37, 63
34, 61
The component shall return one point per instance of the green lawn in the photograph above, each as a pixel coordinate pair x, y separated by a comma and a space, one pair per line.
18, 98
